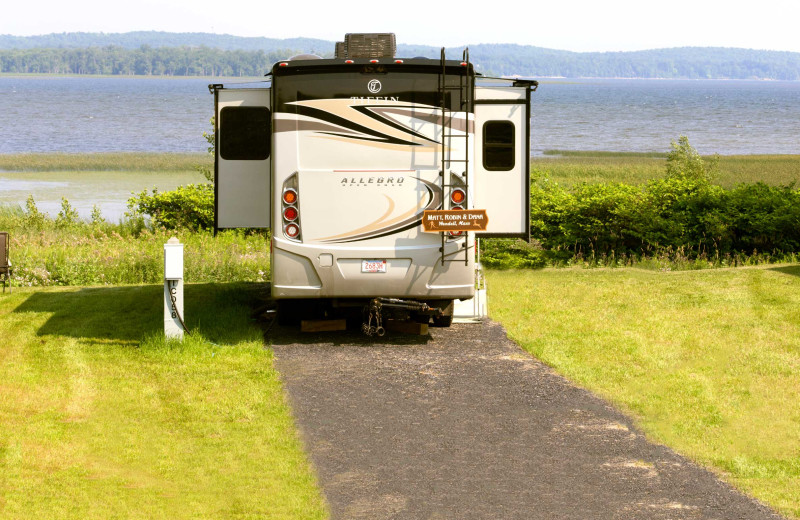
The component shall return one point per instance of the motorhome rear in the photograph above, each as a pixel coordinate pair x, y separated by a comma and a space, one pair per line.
342, 157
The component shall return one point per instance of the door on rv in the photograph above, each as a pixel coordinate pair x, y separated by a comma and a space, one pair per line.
242, 165
501, 183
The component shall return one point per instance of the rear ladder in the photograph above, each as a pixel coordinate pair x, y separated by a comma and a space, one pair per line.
446, 175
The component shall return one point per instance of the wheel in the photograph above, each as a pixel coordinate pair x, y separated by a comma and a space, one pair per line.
443, 321
289, 312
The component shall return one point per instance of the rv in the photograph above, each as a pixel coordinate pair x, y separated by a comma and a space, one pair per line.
377, 176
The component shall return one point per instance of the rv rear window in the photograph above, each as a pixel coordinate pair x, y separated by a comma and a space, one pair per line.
244, 133
498, 145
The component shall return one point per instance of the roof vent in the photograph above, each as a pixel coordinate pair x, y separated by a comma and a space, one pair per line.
368, 45
297, 57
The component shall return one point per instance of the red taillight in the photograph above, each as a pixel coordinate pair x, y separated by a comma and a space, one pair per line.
349, 61
290, 214
289, 196
457, 196
463, 63
398, 61
283, 64
373, 61
291, 230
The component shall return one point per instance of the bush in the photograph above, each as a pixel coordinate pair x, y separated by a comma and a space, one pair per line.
187, 207
33, 218
683, 214
683, 162
68, 216
503, 253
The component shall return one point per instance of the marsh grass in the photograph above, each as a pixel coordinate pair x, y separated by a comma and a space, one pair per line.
600, 153
635, 168
133, 161
103, 418
708, 362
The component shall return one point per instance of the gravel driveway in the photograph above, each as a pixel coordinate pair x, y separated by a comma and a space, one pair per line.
464, 424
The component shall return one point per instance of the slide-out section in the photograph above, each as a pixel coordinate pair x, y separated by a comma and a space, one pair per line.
242, 169
501, 183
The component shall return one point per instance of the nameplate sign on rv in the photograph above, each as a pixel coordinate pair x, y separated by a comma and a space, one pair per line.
454, 220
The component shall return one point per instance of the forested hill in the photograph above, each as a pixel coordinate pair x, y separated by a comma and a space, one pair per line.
182, 54
134, 40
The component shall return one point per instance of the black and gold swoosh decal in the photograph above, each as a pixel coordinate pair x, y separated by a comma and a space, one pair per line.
367, 133
434, 194
376, 123
369, 110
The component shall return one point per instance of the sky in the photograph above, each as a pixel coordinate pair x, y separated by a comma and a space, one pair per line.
576, 25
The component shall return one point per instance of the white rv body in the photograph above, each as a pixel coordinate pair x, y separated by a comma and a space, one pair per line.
362, 145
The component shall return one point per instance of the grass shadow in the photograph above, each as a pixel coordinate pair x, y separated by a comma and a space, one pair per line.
793, 270
219, 312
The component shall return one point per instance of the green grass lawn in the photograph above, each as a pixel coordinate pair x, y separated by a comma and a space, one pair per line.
99, 418
568, 168
707, 361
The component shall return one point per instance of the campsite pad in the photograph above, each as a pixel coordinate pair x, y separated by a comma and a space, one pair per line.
464, 424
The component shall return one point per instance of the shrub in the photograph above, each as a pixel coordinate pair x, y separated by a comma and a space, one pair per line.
190, 207
676, 213
33, 217
68, 216
211, 139
97, 216
683, 162
503, 253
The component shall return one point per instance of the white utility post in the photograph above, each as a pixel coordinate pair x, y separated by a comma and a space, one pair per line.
173, 289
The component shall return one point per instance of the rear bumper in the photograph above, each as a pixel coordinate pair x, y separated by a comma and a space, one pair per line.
414, 271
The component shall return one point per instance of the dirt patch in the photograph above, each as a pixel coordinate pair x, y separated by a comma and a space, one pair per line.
464, 424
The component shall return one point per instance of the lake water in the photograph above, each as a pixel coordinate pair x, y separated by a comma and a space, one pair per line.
77, 115
109, 191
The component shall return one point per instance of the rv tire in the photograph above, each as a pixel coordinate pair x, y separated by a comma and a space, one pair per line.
289, 312
443, 321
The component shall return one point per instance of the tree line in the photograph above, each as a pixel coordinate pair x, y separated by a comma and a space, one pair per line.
144, 61
491, 59
676, 63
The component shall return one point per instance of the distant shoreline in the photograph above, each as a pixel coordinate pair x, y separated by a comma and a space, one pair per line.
549, 80
561, 79
143, 53
24, 75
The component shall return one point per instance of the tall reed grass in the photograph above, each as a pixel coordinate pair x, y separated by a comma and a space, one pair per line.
132, 161
46, 251
570, 168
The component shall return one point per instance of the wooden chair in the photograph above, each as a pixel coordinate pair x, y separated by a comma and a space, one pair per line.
5, 264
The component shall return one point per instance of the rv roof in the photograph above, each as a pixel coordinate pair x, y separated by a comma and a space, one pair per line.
378, 64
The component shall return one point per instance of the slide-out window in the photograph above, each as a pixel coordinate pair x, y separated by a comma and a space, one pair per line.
498, 145
244, 133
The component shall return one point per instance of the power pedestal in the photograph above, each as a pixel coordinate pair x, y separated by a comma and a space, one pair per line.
173, 289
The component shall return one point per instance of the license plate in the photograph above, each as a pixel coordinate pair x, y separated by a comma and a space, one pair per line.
373, 266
